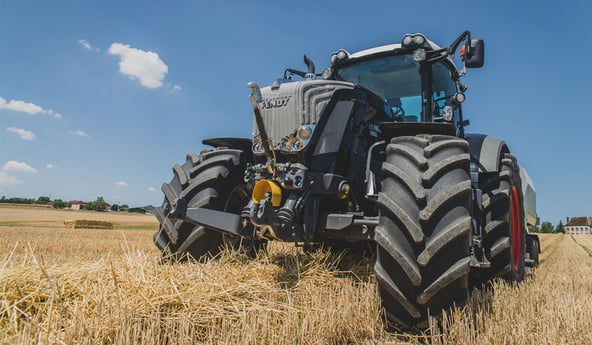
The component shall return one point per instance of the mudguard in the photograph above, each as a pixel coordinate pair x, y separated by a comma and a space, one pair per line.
242, 144
485, 152
232, 143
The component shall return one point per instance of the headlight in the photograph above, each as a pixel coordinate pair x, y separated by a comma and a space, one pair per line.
407, 39
257, 146
297, 145
339, 55
304, 132
419, 39
297, 140
286, 145
413, 40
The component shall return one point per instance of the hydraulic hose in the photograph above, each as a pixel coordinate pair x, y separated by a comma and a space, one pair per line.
255, 98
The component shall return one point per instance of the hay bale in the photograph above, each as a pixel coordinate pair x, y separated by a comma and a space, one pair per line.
87, 224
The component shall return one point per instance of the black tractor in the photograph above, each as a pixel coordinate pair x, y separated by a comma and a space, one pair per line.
370, 153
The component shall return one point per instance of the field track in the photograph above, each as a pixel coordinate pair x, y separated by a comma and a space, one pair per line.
77, 286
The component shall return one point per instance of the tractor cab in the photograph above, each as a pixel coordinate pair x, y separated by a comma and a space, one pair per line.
417, 80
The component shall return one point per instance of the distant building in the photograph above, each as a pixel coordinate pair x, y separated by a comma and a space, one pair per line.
579, 225
76, 205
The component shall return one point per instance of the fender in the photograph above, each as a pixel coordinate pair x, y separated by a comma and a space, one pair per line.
485, 152
232, 143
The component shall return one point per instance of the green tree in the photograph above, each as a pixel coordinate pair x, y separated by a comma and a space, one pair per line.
560, 228
547, 228
89, 206
101, 204
43, 200
18, 200
96, 205
136, 210
58, 203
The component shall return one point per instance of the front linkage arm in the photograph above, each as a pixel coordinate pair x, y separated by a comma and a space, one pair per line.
225, 222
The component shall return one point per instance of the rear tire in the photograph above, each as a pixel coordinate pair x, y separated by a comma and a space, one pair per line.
422, 239
532, 250
213, 180
504, 236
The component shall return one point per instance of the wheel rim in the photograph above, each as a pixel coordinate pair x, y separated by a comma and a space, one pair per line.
516, 229
236, 200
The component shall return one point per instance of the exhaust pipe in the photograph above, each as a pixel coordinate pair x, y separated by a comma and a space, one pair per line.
311, 68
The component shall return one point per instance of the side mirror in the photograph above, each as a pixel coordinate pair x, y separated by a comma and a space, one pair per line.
474, 55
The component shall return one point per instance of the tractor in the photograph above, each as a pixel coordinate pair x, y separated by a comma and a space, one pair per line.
373, 153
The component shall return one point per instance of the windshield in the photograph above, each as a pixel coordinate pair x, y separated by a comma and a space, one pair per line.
397, 80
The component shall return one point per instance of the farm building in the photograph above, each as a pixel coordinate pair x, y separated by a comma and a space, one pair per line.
76, 205
579, 225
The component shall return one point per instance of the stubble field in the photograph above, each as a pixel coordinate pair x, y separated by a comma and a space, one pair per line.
81, 286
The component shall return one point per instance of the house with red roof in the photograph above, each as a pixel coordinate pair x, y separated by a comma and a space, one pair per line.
578, 225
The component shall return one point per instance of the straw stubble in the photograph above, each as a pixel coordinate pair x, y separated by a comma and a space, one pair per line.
121, 292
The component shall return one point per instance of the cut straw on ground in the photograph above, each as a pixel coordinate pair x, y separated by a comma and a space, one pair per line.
80, 286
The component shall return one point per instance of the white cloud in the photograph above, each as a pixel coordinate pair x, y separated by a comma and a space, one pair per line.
121, 184
79, 133
51, 166
8, 180
21, 106
176, 88
139, 64
23, 133
18, 167
53, 113
151, 189
85, 44
26, 107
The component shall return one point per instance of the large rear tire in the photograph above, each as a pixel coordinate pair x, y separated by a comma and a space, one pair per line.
504, 236
214, 180
422, 239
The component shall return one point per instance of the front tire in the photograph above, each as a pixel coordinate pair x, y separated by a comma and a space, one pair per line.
213, 180
422, 239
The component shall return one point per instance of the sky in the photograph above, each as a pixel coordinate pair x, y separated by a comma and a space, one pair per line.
102, 98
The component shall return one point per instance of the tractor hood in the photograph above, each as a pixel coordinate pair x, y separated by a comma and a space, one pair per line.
291, 106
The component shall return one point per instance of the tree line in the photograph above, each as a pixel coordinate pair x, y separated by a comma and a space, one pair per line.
548, 228
96, 205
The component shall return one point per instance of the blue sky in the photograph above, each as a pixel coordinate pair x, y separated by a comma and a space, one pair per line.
101, 98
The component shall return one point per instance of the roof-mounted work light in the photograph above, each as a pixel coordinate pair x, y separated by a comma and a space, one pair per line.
413, 40
339, 55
